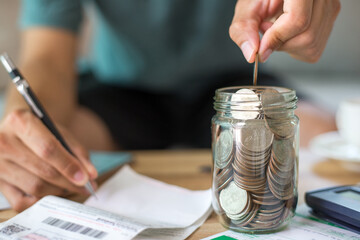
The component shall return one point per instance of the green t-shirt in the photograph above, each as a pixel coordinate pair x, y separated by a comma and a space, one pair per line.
158, 45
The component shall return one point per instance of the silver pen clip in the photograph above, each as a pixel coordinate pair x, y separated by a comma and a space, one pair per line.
22, 87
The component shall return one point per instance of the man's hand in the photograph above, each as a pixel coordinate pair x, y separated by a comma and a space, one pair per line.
298, 27
34, 164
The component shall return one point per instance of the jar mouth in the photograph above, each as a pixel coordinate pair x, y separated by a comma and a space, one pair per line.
255, 99
257, 89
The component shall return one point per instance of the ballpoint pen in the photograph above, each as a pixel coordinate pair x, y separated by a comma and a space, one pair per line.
23, 87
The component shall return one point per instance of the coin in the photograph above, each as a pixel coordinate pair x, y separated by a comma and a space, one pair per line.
269, 98
277, 117
223, 178
245, 104
223, 149
256, 138
281, 128
233, 199
255, 75
242, 214
272, 104
281, 192
247, 218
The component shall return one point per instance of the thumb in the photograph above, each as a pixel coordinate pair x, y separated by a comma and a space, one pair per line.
295, 20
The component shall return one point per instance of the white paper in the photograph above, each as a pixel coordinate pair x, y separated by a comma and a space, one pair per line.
300, 228
4, 204
57, 218
136, 206
172, 233
149, 201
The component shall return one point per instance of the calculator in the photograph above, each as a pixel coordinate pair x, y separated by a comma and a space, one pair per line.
339, 205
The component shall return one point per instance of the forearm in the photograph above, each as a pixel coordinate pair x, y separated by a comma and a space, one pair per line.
53, 88
50, 70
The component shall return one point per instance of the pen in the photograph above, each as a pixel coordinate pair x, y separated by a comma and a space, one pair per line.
23, 87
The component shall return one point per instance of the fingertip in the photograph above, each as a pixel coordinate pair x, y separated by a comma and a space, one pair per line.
80, 178
248, 51
264, 55
91, 170
266, 48
94, 185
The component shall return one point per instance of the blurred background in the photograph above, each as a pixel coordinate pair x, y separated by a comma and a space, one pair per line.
335, 77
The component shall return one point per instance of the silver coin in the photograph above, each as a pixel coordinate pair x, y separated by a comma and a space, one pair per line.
244, 213
272, 104
233, 199
248, 218
282, 128
223, 149
256, 138
246, 104
284, 153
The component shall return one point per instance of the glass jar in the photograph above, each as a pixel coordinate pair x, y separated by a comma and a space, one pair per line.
255, 145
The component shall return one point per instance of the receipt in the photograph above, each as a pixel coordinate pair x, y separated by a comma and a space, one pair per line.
129, 206
4, 204
57, 218
168, 211
152, 202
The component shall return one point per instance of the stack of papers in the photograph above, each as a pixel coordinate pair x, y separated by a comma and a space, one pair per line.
129, 206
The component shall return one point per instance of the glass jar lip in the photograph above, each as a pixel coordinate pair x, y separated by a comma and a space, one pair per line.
232, 90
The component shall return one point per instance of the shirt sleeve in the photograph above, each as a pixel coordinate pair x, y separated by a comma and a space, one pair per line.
64, 14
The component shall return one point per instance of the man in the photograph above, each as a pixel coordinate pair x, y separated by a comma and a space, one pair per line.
148, 84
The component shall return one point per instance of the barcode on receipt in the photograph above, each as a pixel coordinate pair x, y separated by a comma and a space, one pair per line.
74, 227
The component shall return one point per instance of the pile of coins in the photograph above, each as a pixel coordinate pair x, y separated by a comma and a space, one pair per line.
255, 163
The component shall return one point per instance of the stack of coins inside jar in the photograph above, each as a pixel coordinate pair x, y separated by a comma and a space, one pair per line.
255, 151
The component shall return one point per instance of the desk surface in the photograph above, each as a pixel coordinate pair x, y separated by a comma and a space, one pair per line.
192, 169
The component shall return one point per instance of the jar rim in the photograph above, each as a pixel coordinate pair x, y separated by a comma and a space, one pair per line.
227, 100
232, 90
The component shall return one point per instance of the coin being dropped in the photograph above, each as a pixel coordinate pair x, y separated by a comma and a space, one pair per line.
255, 75
223, 149
233, 199
249, 102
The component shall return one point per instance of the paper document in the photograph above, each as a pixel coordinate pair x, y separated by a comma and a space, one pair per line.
150, 201
4, 204
302, 227
153, 203
57, 218
134, 207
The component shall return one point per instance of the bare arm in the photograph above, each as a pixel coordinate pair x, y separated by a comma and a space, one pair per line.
32, 162
47, 61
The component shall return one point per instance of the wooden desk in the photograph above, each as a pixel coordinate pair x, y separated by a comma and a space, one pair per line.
192, 169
